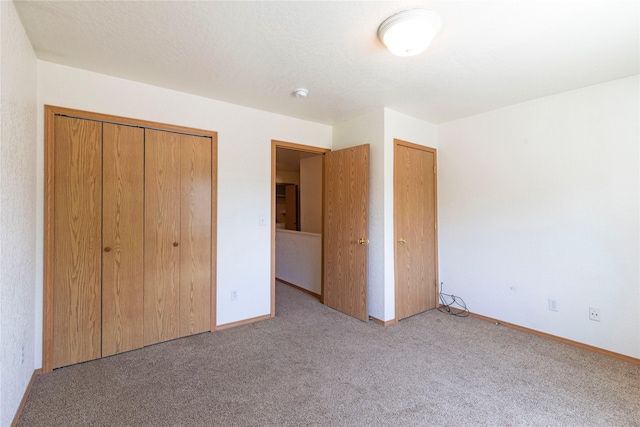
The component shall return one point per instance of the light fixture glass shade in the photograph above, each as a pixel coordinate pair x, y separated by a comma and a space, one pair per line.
409, 32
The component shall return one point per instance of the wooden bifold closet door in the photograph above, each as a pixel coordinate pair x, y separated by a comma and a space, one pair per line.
177, 234
122, 238
129, 250
77, 246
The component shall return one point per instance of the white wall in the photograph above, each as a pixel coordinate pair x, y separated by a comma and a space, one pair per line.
369, 129
311, 194
244, 138
17, 211
541, 200
410, 129
299, 259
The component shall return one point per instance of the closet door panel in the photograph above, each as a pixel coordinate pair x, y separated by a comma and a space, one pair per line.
122, 236
195, 235
162, 238
77, 240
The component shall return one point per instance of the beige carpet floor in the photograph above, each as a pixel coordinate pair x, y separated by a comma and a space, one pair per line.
313, 366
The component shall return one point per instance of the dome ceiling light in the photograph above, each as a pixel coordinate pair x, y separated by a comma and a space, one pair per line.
409, 32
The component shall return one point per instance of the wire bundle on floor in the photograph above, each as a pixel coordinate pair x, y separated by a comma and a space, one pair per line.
453, 305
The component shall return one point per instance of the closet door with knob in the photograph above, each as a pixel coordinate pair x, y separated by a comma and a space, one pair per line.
129, 236
177, 282
415, 229
122, 238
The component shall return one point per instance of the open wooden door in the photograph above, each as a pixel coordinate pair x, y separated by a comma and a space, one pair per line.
346, 209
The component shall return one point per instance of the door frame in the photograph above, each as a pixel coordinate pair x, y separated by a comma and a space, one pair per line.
401, 143
50, 112
296, 147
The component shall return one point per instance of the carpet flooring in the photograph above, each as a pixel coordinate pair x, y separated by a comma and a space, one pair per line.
313, 366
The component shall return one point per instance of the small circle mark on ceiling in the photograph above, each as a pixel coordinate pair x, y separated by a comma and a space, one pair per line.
301, 92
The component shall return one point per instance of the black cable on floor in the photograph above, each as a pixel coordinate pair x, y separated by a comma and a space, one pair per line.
452, 304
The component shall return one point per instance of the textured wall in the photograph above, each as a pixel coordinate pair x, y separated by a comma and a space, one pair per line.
18, 85
540, 201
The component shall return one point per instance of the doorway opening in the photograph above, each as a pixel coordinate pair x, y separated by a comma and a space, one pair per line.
296, 217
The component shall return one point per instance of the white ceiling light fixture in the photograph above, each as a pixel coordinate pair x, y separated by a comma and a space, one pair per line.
409, 32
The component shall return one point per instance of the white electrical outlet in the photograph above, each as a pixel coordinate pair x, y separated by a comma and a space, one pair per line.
553, 305
234, 295
594, 314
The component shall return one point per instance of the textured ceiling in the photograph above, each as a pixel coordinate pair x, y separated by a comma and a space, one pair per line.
489, 54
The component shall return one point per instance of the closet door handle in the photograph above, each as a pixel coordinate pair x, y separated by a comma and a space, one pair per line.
175, 243
107, 249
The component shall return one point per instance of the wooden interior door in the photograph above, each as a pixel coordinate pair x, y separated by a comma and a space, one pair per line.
123, 238
161, 236
415, 229
195, 234
77, 247
346, 229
